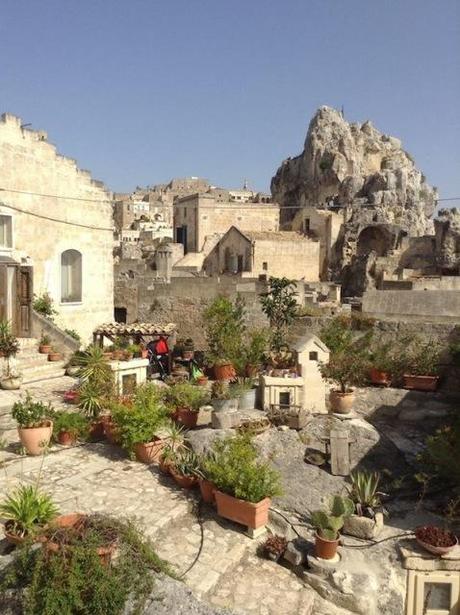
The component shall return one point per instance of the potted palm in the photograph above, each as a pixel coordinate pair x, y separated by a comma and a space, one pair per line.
34, 424
421, 362
27, 511
328, 524
186, 400
68, 427
9, 347
173, 443
344, 369
244, 484
256, 348
139, 427
367, 518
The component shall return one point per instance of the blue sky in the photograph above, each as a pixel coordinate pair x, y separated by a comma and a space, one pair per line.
140, 91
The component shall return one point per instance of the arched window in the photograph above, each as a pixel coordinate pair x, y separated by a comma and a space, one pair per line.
71, 276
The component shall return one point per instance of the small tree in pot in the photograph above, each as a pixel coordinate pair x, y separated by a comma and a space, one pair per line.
9, 347
68, 427
345, 370
257, 345
328, 524
280, 306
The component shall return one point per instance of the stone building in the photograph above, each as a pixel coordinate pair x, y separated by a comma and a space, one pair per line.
56, 233
270, 253
200, 215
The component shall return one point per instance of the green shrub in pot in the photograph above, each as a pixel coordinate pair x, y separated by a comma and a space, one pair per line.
186, 395
26, 511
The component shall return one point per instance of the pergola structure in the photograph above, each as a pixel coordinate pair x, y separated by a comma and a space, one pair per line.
136, 332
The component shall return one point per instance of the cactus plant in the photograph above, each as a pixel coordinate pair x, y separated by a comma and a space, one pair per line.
329, 523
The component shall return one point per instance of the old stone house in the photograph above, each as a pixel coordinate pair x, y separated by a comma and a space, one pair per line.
200, 215
270, 253
56, 234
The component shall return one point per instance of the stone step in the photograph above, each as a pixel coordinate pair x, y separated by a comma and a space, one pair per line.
44, 372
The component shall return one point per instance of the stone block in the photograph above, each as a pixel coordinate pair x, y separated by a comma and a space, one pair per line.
296, 552
363, 527
224, 419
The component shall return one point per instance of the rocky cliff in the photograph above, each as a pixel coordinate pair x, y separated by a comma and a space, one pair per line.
447, 233
355, 165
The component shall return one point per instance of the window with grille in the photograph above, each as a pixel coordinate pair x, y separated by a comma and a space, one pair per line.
71, 277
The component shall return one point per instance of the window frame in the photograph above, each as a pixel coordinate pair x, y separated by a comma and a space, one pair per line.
77, 301
6, 248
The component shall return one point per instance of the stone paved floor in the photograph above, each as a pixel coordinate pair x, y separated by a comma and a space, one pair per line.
99, 477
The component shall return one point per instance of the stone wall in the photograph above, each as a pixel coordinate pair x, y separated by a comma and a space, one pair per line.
413, 305
43, 227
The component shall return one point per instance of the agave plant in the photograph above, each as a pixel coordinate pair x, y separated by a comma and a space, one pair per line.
363, 492
27, 510
329, 523
186, 462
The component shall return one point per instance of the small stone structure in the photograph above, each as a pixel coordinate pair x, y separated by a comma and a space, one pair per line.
433, 583
306, 390
129, 374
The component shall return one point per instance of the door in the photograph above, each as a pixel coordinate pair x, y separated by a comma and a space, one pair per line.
24, 294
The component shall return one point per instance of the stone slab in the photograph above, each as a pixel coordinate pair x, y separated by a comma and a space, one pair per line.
416, 558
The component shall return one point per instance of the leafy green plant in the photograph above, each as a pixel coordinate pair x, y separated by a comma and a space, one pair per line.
224, 328
9, 347
143, 420
364, 492
186, 395
443, 451
30, 413
329, 522
185, 462
96, 376
345, 369
243, 385
233, 466
44, 305
337, 334
76, 336
45, 340
280, 306
384, 356
73, 423
27, 510
75, 581
257, 345
421, 357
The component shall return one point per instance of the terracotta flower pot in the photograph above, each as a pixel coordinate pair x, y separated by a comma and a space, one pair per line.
36, 439
117, 355
111, 431
144, 353
240, 511
420, 383
186, 482
11, 537
108, 356
341, 402
72, 397
96, 430
44, 348
207, 490
165, 466
186, 417
379, 377
224, 372
54, 356
202, 381
325, 549
149, 452
66, 438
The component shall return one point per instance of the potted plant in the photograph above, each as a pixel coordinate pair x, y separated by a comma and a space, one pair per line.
97, 386
139, 427
68, 427
274, 547
186, 400
44, 345
224, 328
382, 363
34, 424
184, 468
258, 344
54, 355
435, 540
279, 304
118, 352
73, 367
27, 511
422, 361
173, 442
328, 524
207, 487
244, 484
9, 347
222, 396
344, 369
367, 518
245, 392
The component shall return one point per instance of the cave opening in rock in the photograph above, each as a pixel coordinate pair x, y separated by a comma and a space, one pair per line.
374, 239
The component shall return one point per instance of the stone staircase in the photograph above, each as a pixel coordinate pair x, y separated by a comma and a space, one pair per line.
34, 366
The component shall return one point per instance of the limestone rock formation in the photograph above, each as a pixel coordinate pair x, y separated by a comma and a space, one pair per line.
355, 165
447, 233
